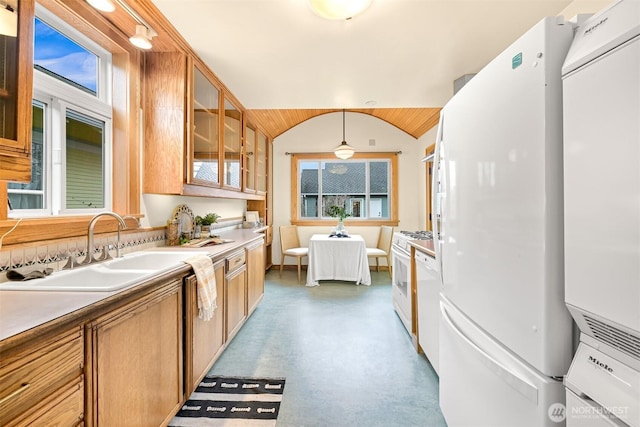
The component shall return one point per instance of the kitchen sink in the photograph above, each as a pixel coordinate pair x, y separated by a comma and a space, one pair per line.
158, 261
107, 276
92, 279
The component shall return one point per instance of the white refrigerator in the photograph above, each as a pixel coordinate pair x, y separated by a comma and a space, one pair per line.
505, 332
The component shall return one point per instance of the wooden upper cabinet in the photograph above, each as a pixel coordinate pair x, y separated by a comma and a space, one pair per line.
165, 90
261, 163
16, 89
205, 155
232, 143
193, 132
250, 156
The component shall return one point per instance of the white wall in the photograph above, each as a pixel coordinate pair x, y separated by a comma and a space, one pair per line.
158, 208
323, 134
584, 6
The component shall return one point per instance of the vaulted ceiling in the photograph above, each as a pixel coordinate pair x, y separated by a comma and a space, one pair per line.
396, 61
414, 121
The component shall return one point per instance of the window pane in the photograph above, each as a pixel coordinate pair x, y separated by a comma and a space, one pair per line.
362, 186
309, 189
64, 59
25, 201
379, 189
84, 162
342, 183
31, 195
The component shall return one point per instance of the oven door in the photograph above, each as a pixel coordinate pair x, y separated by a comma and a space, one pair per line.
401, 284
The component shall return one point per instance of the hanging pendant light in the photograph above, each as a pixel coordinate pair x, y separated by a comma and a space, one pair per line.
344, 150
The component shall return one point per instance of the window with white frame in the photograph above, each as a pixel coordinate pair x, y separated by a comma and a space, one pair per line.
362, 185
71, 129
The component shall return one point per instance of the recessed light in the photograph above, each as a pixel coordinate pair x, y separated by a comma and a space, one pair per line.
103, 5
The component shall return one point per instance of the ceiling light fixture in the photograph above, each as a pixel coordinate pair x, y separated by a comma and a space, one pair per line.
8, 21
144, 33
103, 5
339, 9
142, 38
344, 150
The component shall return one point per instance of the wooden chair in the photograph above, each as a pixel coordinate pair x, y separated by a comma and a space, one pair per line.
383, 249
290, 246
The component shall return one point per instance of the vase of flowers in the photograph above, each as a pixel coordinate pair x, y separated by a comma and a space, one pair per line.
341, 213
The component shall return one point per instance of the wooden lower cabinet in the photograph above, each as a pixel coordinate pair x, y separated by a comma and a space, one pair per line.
235, 293
255, 276
204, 338
124, 364
135, 359
65, 407
42, 385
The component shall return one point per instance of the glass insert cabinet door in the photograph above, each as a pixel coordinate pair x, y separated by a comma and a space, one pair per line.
261, 163
16, 77
232, 145
205, 130
249, 156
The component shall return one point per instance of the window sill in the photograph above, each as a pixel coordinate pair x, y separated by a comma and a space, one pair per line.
59, 227
347, 223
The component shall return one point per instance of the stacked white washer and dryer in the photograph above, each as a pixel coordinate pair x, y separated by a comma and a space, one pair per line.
601, 90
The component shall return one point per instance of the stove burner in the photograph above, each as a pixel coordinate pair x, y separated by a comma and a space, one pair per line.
418, 235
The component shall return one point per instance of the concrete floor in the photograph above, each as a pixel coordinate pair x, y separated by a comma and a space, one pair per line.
345, 355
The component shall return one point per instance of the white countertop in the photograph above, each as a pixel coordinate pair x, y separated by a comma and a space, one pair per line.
24, 310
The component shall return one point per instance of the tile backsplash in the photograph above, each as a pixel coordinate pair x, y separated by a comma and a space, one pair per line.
54, 254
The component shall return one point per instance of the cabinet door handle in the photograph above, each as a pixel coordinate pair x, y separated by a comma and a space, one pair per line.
22, 389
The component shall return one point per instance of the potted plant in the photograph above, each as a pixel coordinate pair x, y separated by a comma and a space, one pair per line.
339, 212
206, 221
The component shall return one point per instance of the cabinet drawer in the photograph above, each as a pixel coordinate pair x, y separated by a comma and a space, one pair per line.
64, 408
235, 261
28, 378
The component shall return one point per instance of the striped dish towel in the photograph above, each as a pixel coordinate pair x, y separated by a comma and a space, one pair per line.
206, 276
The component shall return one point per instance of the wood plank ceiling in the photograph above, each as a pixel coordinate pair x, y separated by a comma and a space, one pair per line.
414, 121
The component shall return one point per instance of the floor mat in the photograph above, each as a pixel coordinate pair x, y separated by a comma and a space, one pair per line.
231, 402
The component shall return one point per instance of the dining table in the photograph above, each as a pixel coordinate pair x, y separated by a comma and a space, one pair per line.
337, 258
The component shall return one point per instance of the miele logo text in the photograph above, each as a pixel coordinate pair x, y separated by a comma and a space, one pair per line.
599, 364
593, 27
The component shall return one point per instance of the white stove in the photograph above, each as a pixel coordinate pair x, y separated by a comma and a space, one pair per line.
402, 238
401, 272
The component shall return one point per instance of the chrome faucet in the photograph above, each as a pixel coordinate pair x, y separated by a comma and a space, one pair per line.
121, 225
126, 217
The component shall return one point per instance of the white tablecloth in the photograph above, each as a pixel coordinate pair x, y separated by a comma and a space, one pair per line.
338, 258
